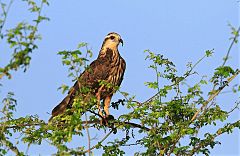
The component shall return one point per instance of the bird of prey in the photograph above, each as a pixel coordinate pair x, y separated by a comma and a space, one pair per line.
109, 67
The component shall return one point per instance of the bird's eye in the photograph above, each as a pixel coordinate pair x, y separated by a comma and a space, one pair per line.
112, 37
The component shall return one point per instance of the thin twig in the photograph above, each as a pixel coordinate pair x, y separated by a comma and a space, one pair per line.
5, 15
95, 113
234, 108
103, 139
157, 79
134, 125
230, 47
88, 135
37, 21
133, 144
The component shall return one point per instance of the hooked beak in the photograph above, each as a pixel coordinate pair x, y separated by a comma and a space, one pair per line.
121, 41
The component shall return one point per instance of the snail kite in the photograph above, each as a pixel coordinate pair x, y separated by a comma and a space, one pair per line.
109, 67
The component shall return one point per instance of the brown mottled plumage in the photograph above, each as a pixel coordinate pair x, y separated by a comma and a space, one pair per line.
108, 67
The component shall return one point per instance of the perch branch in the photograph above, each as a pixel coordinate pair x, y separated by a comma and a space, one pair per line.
85, 123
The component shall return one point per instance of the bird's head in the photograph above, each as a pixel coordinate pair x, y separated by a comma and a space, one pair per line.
112, 40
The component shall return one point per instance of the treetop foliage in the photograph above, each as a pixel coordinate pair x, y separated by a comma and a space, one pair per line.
171, 122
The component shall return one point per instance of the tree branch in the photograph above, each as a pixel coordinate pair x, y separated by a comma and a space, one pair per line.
230, 47
218, 133
88, 136
85, 123
9, 145
214, 95
5, 13
103, 139
188, 73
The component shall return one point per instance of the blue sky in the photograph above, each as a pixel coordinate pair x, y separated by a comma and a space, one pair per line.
180, 30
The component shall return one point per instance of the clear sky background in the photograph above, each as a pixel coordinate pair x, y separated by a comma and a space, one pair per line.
180, 30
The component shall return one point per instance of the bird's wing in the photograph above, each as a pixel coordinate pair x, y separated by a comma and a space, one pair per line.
97, 70
123, 68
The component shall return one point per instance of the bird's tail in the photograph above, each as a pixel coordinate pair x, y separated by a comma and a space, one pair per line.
61, 107
66, 102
